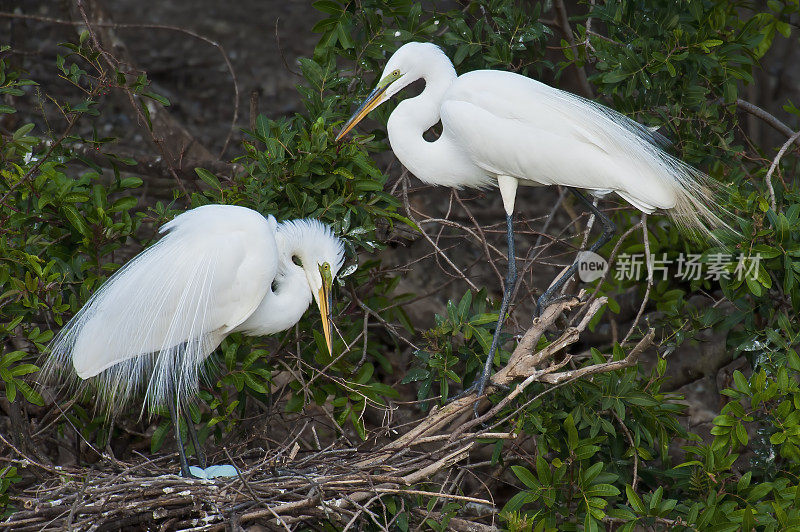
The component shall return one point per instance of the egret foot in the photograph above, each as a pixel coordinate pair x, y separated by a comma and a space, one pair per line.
542, 303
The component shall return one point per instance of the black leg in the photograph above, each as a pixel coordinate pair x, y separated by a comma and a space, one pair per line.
176, 421
608, 232
511, 278
198, 450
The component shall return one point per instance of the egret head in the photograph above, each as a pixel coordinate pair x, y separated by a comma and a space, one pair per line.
312, 246
404, 67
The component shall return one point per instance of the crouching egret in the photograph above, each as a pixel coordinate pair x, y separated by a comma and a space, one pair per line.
218, 269
506, 129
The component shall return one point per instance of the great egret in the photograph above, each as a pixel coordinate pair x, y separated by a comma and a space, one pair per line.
218, 269
506, 129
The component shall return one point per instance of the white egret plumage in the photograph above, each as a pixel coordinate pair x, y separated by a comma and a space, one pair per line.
218, 269
505, 129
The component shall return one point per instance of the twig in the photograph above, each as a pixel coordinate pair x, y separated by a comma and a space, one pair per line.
566, 29
434, 494
633, 450
241, 478
430, 240
649, 264
482, 239
113, 64
774, 165
77, 502
606, 273
280, 49
607, 367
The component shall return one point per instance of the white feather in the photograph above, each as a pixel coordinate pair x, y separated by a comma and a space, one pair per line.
151, 326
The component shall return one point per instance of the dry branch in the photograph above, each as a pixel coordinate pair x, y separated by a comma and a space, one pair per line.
339, 486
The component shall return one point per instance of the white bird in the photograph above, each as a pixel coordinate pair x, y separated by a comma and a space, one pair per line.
218, 269
505, 129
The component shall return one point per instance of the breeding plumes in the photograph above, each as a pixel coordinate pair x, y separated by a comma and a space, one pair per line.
218, 269
504, 129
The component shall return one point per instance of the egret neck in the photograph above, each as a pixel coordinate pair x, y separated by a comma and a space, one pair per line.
289, 297
442, 160
281, 308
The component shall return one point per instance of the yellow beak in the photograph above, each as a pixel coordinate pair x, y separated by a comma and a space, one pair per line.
374, 99
325, 302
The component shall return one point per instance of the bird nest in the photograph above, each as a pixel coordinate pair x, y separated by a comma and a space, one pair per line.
286, 487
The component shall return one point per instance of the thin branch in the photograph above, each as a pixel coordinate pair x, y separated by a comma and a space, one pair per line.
430, 240
113, 63
770, 119
649, 263
566, 29
628, 435
774, 165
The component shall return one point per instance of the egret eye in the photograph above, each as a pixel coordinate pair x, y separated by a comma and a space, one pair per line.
297, 260
396, 72
326, 267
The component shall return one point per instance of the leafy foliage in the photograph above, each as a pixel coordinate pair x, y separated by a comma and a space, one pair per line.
457, 346
58, 230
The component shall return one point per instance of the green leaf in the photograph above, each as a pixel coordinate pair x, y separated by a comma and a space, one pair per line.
572, 433
741, 434
615, 77
517, 501
253, 384
635, 501
130, 182
22, 131
328, 6
208, 178
157, 440
157, 97
655, 500
759, 491
124, 204
415, 374
24, 369
601, 490
75, 219
741, 382
11, 390
526, 477
31, 395
251, 357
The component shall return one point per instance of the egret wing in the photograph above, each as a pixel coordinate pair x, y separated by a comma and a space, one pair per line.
548, 136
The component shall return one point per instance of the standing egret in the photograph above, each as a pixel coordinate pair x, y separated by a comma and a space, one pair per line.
507, 129
218, 269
